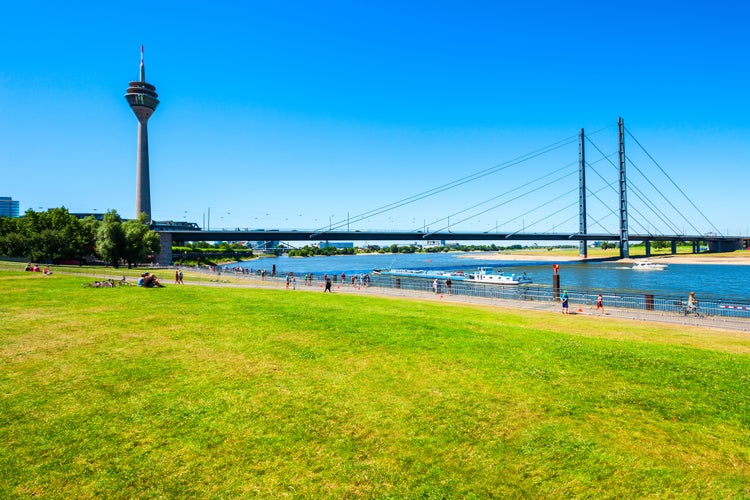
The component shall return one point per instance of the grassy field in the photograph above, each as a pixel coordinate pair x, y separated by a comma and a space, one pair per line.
214, 392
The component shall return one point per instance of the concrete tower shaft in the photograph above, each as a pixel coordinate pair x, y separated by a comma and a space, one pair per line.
143, 100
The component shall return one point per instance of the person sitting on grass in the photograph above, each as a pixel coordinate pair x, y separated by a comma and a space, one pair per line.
151, 281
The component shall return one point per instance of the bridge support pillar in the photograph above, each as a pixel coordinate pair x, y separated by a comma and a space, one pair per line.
648, 248
674, 247
582, 248
624, 236
164, 258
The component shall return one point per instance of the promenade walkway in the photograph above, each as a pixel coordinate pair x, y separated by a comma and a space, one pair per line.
625, 313
199, 278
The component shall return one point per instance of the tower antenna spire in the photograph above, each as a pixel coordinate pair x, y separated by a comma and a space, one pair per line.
143, 67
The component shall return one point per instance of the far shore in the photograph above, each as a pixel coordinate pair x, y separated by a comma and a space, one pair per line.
734, 258
737, 258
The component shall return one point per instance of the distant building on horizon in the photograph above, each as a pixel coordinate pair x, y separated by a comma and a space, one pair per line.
336, 244
9, 207
99, 217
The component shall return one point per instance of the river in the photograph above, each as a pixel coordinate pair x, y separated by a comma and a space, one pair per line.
709, 281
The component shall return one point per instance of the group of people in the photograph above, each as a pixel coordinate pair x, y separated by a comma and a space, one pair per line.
363, 280
178, 277
35, 269
690, 308
291, 280
565, 299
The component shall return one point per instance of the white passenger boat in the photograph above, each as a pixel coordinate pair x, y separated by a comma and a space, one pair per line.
487, 275
647, 265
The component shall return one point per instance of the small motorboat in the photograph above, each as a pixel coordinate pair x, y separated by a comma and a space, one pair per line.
647, 265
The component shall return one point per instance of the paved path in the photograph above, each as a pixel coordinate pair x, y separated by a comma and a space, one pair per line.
253, 281
725, 323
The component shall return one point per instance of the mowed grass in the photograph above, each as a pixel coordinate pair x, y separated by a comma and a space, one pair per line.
218, 392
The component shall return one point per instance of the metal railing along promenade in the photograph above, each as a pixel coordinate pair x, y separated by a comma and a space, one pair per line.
720, 313
650, 307
546, 294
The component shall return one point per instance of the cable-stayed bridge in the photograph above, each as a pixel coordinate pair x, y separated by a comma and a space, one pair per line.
618, 197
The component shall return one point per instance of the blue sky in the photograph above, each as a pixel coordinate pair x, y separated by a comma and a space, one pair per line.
299, 114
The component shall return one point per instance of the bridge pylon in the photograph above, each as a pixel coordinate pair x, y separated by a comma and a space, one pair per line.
624, 240
583, 248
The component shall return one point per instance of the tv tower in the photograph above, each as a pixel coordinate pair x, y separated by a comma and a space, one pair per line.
143, 100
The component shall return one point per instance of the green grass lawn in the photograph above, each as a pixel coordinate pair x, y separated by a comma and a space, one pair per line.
212, 392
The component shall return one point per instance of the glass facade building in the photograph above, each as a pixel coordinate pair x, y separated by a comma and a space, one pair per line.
8, 207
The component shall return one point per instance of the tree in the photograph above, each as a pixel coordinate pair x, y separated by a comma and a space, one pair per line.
12, 243
140, 241
43, 236
110, 238
86, 237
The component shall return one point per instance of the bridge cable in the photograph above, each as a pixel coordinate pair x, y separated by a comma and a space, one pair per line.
574, 190
609, 184
597, 222
673, 183
665, 198
500, 204
639, 194
556, 171
447, 218
452, 184
651, 206
532, 210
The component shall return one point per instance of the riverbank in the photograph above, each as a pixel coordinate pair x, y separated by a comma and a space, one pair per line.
733, 258
524, 257
738, 258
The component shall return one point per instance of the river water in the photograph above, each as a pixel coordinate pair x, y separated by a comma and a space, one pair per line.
708, 281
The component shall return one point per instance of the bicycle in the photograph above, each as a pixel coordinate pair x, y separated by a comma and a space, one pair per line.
687, 310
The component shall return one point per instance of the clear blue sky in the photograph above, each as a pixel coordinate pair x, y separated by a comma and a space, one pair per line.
295, 114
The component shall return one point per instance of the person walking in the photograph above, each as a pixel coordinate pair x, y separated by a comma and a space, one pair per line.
448, 284
600, 305
435, 286
328, 284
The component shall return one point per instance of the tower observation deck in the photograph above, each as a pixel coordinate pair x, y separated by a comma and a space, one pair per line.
143, 100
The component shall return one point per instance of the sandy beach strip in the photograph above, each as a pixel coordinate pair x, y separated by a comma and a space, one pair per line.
733, 259
520, 257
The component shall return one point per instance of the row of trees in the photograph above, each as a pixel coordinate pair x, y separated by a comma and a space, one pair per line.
58, 236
